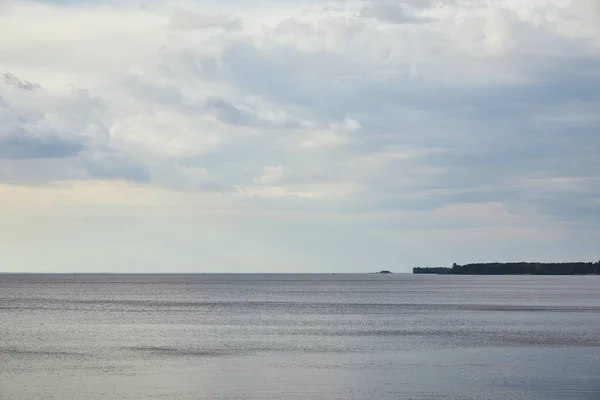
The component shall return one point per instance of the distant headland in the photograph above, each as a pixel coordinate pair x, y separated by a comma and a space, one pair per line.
515, 268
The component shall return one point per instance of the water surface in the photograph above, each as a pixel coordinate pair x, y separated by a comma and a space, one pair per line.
299, 337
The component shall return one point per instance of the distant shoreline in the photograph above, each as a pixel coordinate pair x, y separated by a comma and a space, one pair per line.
517, 268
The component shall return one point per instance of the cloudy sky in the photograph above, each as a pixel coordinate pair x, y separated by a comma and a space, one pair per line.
297, 135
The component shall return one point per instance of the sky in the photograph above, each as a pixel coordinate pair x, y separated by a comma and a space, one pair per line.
297, 135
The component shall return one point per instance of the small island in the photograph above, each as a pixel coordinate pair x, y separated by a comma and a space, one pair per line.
515, 268
385, 271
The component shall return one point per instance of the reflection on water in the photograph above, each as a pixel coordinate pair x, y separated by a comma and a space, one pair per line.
299, 337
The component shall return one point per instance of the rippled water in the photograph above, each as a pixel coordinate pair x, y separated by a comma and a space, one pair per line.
299, 337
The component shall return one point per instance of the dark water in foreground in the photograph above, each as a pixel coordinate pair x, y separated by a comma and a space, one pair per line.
299, 337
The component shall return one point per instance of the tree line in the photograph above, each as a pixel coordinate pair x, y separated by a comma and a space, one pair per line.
431, 270
533, 268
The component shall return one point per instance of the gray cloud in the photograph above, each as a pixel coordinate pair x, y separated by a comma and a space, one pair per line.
391, 12
229, 113
109, 165
27, 146
12, 80
187, 20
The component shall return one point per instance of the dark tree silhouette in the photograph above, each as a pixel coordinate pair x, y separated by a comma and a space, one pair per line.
431, 270
533, 268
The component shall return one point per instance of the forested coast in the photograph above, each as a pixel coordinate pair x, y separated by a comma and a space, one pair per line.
515, 268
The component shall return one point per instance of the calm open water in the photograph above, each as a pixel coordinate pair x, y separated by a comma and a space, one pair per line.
299, 337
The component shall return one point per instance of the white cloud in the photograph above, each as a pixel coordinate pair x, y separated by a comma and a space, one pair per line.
310, 191
388, 116
271, 175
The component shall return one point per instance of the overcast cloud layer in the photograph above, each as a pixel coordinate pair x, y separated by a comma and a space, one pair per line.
295, 135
